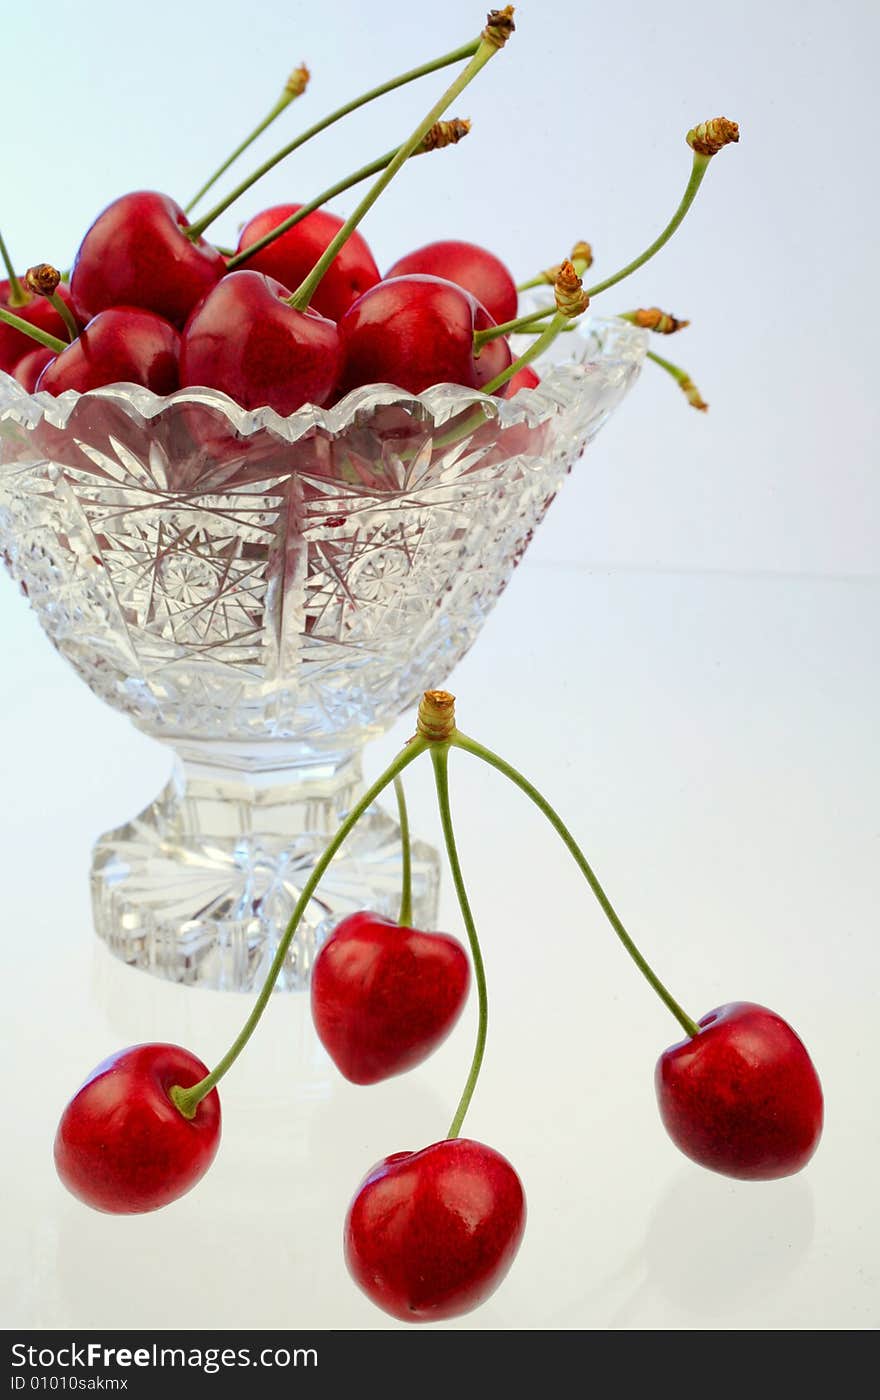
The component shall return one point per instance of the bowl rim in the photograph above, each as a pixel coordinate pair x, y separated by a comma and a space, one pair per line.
599, 345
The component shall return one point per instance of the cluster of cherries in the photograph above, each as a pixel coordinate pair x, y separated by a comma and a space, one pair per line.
153, 307
298, 312
431, 1233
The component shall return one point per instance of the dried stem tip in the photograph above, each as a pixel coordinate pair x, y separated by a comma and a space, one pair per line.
499, 27
582, 253
436, 716
298, 81
692, 393
708, 138
42, 279
651, 318
571, 299
445, 133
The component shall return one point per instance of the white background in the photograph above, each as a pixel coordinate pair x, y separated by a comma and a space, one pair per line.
692, 639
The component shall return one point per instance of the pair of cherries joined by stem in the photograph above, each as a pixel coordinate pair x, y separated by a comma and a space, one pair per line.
431, 1233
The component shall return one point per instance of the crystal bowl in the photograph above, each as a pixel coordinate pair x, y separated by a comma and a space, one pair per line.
265, 594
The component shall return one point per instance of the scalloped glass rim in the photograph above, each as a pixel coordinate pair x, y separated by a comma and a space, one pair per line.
599, 342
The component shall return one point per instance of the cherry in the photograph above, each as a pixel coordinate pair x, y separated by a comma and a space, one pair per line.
384, 997
524, 378
136, 253
124, 345
122, 1146
469, 266
244, 339
31, 366
293, 255
417, 331
431, 1234
742, 1097
39, 312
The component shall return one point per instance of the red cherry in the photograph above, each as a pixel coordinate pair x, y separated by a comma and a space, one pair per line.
524, 378
384, 996
136, 253
431, 1234
31, 366
39, 312
292, 256
122, 1146
245, 340
469, 266
122, 346
417, 331
742, 1097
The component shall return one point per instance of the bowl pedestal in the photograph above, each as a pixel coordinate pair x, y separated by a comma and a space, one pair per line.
200, 886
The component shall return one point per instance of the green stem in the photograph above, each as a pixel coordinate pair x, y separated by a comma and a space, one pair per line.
682, 379
51, 342
404, 918
66, 315
306, 290
281, 105
188, 1100
461, 741
698, 170
17, 294
539, 281
444, 61
678, 374
547, 337
539, 328
439, 758
519, 323
363, 174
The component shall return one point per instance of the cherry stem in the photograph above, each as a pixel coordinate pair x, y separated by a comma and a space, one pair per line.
698, 169
188, 1100
306, 290
519, 323
281, 105
456, 56
51, 342
404, 917
363, 174
66, 315
381, 163
537, 347
17, 294
439, 758
537, 318
470, 746
682, 379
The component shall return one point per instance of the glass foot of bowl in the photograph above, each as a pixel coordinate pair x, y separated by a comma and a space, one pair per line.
200, 886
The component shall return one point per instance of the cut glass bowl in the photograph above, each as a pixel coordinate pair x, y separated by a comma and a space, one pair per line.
265, 594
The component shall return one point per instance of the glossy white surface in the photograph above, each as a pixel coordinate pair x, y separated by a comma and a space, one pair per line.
712, 738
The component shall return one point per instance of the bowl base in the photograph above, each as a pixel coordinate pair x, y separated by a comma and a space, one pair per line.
200, 886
